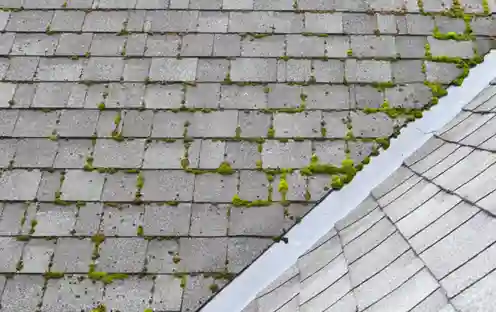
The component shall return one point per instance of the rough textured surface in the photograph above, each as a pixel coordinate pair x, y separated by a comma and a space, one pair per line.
419, 242
172, 141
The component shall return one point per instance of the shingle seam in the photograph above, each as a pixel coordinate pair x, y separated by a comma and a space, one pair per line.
366, 230
455, 125
476, 281
285, 303
459, 196
453, 165
323, 216
357, 220
321, 268
426, 298
473, 131
373, 248
393, 290
339, 299
438, 162
281, 285
399, 195
323, 290
318, 246
418, 206
468, 145
417, 255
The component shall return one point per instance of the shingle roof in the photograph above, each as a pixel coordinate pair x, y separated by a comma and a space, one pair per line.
158, 147
424, 240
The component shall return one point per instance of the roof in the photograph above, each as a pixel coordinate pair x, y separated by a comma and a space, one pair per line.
153, 149
423, 240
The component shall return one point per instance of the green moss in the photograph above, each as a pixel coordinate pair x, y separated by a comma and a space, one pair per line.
214, 288
336, 182
283, 186
227, 79
34, 222
280, 238
271, 132
109, 278
88, 165
225, 168
238, 202
148, 310
23, 238
238, 131
266, 89
427, 48
140, 181
19, 265
101, 106
100, 308
284, 58
98, 238
382, 86
258, 164
172, 203
53, 275
140, 231
176, 259
349, 52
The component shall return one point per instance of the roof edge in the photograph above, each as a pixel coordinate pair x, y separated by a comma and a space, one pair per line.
335, 206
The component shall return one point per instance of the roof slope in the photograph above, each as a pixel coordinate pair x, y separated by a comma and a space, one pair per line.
424, 240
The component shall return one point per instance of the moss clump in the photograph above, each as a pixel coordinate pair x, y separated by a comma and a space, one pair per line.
283, 186
349, 52
271, 132
238, 202
23, 238
284, 58
88, 164
176, 259
101, 106
266, 90
140, 231
382, 86
225, 168
98, 238
100, 308
53, 275
214, 288
336, 182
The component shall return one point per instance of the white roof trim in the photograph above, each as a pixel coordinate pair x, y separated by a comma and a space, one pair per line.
280, 257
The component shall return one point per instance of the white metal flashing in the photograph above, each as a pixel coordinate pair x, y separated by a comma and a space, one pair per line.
279, 257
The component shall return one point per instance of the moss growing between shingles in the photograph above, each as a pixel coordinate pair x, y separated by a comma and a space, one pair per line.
23, 238
238, 131
34, 222
428, 53
140, 231
485, 7
382, 86
238, 202
140, 182
176, 259
97, 239
271, 132
101, 106
214, 288
106, 278
283, 186
19, 265
53, 275
349, 52
100, 308
284, 58
280, 238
